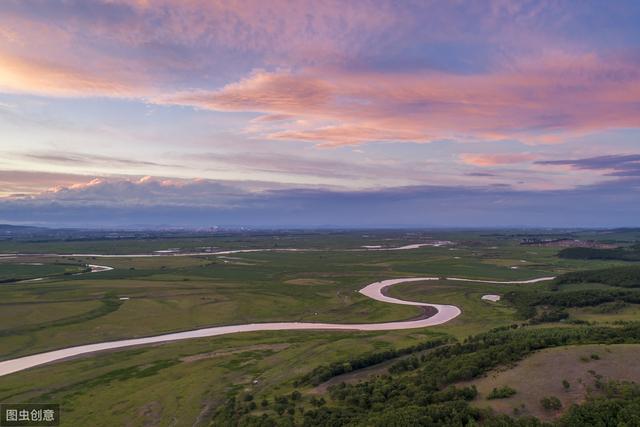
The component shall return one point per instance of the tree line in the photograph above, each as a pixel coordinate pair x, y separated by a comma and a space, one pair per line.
625, 277
630, 253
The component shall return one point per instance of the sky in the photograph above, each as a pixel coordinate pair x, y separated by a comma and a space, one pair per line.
365, 113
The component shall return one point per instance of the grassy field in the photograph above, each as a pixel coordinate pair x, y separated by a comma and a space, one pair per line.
477, 315
182, 383
174, 384
178, 293
28, 268
542, 374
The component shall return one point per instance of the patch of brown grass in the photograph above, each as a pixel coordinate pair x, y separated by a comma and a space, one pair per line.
542, 374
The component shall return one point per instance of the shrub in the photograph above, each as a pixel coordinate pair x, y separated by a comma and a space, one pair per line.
282, 400
551, 403
501, 393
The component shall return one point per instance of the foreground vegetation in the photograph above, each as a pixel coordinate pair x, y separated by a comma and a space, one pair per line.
422, 392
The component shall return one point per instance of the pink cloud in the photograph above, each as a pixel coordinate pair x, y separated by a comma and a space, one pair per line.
333, 136
80, 185
313, 87
279, 27
536, 101
20, 75
24, 182
496, 159
282, 93
145, 191
170, 41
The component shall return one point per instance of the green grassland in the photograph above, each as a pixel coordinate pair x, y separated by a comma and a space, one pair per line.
477, 315
183, 383
179, 382
29, 268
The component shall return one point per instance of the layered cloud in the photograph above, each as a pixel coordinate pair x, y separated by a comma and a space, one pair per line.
614, 165
19, 75
496, 159
332, 68
129, 48
16, 183
157, 201
148, 191
539, 100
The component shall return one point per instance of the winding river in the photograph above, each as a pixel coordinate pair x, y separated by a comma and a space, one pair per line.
171, 253
434, 314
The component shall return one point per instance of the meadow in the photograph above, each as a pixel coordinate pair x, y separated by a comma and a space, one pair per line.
185, 383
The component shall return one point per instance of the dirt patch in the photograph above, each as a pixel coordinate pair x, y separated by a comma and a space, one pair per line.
542, 375
209, 355
309, 282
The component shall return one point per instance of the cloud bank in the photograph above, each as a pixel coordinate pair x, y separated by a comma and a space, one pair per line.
153, 202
